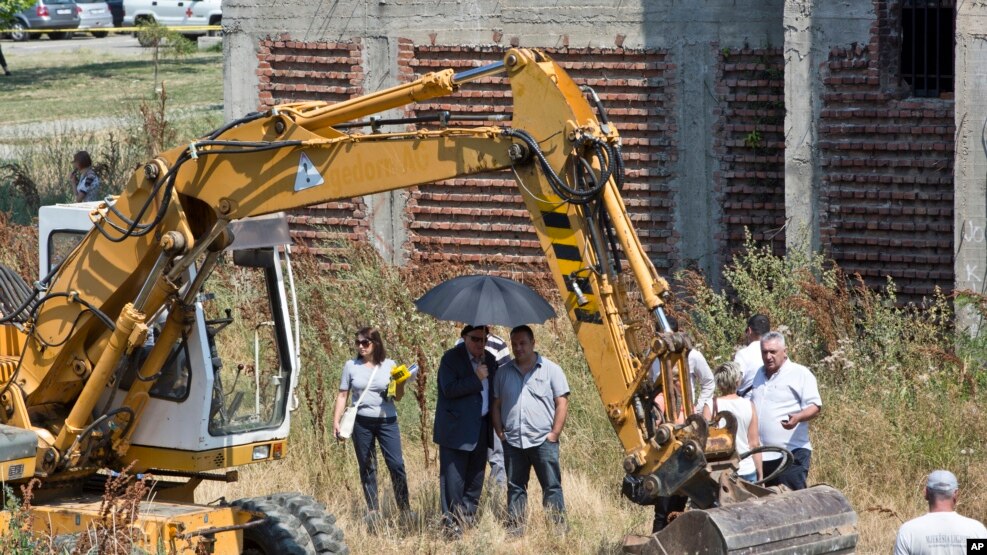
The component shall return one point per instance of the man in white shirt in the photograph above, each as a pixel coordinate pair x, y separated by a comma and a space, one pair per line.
941, 531
787, 398
749, 357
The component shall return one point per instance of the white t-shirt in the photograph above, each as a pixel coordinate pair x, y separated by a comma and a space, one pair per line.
699, 372
749, 359
940, 533
744, 411
791, 389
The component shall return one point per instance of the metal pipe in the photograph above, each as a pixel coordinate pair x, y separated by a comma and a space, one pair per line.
116, 347
429, 86
475, 73
200, 276
218, 228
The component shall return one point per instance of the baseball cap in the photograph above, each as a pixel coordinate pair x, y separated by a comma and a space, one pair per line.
943, 481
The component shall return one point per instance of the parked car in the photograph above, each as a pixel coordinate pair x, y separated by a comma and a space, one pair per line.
94, 15
46, 14
173, 13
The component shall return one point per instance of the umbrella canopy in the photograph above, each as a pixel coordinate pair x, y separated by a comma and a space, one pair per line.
485, 300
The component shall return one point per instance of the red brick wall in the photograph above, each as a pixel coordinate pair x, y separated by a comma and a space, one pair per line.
750, 147
296, 71
482, 219
887, 191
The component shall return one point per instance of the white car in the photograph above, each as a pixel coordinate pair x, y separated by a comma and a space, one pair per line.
94, 17
173, 13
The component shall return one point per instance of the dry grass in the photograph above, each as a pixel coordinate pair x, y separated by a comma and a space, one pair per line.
898, 387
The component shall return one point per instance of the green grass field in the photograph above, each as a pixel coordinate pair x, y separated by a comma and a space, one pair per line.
89, 83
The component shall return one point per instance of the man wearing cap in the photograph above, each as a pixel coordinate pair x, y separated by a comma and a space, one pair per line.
941, 531
462, 426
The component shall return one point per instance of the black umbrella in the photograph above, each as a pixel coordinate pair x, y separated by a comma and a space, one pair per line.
485, 300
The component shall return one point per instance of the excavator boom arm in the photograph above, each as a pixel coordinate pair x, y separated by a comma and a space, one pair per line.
175, 210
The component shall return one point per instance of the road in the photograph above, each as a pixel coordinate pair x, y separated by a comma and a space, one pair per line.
117, 44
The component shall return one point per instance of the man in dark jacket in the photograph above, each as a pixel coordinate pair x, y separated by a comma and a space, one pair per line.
462, 426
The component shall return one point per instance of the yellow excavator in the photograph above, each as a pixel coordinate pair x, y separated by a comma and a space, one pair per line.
112, 359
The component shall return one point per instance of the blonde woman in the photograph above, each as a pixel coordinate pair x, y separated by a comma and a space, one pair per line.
728, 377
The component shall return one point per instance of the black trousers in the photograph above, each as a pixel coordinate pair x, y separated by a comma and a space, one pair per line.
3, 61
366, 432
461, 480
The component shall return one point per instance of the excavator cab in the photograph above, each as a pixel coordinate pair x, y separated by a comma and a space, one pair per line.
235, 361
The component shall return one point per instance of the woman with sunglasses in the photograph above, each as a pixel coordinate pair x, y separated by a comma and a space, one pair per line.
376, 418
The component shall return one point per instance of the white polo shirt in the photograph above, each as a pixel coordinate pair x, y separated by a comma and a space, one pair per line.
791, 389
749, 359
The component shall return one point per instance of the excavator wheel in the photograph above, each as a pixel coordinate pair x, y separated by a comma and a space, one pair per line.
281, 534
321, 526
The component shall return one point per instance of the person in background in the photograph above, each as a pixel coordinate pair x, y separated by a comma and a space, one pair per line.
3, 63
749, 357
728, 376
495, 454
376, 419
83, 178
786, 397
531, 403
698, 372
941, 531
462, 427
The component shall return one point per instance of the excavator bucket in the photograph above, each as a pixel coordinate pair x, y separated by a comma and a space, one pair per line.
806, 522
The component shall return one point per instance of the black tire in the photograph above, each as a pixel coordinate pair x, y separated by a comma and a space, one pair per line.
216, 21
281, 534
142, 39
18, 31
99, 34
327, 537
60, 35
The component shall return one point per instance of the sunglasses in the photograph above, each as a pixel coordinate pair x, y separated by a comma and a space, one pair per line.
362, 342
476, 339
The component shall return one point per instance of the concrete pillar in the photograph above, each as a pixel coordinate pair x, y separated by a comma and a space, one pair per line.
812, 28
803, 100
699, 213
240, 92
970, 162
386, 211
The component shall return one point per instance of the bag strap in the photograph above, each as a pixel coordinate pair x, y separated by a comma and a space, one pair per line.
369, 383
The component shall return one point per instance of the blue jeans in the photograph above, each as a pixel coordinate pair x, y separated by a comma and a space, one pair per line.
519, 462
366, 432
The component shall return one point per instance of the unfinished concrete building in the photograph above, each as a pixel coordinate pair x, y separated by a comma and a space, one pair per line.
851, 126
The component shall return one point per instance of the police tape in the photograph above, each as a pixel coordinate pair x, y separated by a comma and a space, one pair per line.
180, 29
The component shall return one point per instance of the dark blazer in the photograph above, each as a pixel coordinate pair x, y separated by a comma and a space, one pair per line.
459, 400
